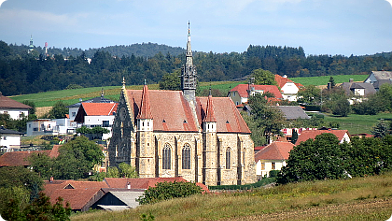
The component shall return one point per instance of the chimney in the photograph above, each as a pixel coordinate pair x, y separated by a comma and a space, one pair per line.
351, 80
128, 185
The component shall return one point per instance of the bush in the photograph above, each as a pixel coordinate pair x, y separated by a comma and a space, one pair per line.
167, 190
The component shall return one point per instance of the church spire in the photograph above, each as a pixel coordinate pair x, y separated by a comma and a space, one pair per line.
210, 113
188, 72
145, 111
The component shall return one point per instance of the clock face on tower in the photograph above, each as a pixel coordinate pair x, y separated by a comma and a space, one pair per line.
123, 114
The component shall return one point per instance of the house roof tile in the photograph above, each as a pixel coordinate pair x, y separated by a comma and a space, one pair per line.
311, 134
242, 89
293, 112
8, 103
278, 150
99, 109
172, 112
19, 158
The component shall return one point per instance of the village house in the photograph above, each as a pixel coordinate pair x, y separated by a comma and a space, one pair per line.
378, 78
288, 88
20, 158
175, 133
112, 194
272, 157
42, 127
9, 139
14, 109
342, 135
240, 93
97, 115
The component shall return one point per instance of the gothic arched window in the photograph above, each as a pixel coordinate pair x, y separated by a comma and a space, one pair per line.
186, 157
228, 158
166, 154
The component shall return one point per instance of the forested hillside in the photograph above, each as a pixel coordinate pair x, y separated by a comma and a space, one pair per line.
22, 73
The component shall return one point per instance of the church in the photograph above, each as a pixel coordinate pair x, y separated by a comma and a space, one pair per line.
174, 133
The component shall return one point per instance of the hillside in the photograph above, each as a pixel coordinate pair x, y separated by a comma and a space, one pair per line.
368, 198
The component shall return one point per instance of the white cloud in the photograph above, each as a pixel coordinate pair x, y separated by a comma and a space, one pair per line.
390, 2
2, 1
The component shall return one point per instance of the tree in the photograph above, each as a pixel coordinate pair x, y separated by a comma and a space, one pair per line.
127, 170
58, 111
309, 94
341, 107
31, 104
294, 136
269, 119
263, 77
168, 190
332, 82
77, 157
318, 159
381, 129
171, 81
19, 176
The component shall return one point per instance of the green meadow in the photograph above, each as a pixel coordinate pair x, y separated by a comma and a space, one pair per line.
361, 198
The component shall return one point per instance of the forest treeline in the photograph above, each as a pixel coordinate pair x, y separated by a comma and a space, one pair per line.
23, 73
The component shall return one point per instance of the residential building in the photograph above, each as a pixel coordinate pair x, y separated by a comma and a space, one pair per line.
240, 93
20, 158
175, 133
358, 89
378, 78
9, 139
293, 112
342, 135
15, 109
272, 157
288, 88
97, 115
42, 127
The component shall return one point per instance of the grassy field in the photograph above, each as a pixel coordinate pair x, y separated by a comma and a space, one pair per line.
323, 80
356, 124
368, 198
69, 97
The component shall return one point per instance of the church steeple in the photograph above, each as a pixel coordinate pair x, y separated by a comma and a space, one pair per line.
188, 72
31, 46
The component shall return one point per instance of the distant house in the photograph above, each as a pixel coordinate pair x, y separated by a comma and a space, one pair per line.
378, 78
42, 127
288, 88
15, 109
9, 139
110, 194
97, 115
362, 89
293, 112
272, 157
342, 135
240, 93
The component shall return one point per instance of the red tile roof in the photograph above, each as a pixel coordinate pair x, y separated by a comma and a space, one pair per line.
228, 118
8, 103
210, 115
311, 134
278, 150
171, 111
19, 158
242, 90
145, 112
99, 109
281, 81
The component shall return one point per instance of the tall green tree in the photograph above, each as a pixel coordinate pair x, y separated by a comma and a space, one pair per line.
171, 81
59, 110
318, 159
381, 129
269, 119
309, 94
263, 77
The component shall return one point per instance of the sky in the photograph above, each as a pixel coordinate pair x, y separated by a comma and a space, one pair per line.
333, 27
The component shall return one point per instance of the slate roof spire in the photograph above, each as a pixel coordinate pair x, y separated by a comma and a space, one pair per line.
188, 72
145, 110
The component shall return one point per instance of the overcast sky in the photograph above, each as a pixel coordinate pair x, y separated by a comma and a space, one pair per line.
320, 26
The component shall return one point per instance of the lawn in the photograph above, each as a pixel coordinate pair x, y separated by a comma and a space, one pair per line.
357, 124
323, 80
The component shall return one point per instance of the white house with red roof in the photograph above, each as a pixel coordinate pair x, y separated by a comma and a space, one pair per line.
342, 135
288, 88
15, 109
240, 93
97, 115
272, 157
